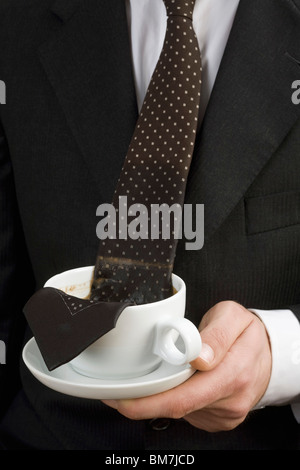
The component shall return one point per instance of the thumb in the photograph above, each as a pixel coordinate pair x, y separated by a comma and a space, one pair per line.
205, 359
224, 323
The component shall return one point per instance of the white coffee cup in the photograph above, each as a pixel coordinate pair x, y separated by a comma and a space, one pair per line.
144, 335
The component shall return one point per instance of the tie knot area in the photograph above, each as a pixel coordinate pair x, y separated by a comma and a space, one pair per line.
180, 7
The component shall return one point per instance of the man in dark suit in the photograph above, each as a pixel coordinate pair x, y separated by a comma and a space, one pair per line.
65, 129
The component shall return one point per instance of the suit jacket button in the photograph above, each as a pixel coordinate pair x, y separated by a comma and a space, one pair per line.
159, 424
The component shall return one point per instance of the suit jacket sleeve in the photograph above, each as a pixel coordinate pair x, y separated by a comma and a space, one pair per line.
15, 279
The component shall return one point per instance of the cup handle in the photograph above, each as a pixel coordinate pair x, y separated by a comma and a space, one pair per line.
164, 342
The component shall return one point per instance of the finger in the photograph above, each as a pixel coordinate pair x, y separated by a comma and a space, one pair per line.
249, 364
111, 403
197, 392
224, 323
211, 420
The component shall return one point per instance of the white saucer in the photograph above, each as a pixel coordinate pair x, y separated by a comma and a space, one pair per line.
65, 380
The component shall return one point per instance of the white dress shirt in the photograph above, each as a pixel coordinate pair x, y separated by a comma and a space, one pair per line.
212, 21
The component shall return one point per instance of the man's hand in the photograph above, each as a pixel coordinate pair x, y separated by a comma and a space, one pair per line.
233, 372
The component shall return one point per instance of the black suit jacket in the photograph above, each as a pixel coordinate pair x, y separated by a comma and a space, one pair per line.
70, 113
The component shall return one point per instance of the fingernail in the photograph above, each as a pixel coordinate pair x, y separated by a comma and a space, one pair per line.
207, 353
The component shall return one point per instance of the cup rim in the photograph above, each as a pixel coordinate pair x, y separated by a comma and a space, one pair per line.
91, 268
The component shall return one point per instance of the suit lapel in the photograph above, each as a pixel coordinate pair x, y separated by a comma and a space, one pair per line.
250, 111
89, 66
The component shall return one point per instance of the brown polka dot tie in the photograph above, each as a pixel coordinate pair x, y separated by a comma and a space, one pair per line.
155, 171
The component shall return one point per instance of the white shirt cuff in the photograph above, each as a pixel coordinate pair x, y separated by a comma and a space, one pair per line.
284, 333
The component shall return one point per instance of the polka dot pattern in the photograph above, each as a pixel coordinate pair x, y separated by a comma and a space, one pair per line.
73, 304
156, 167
